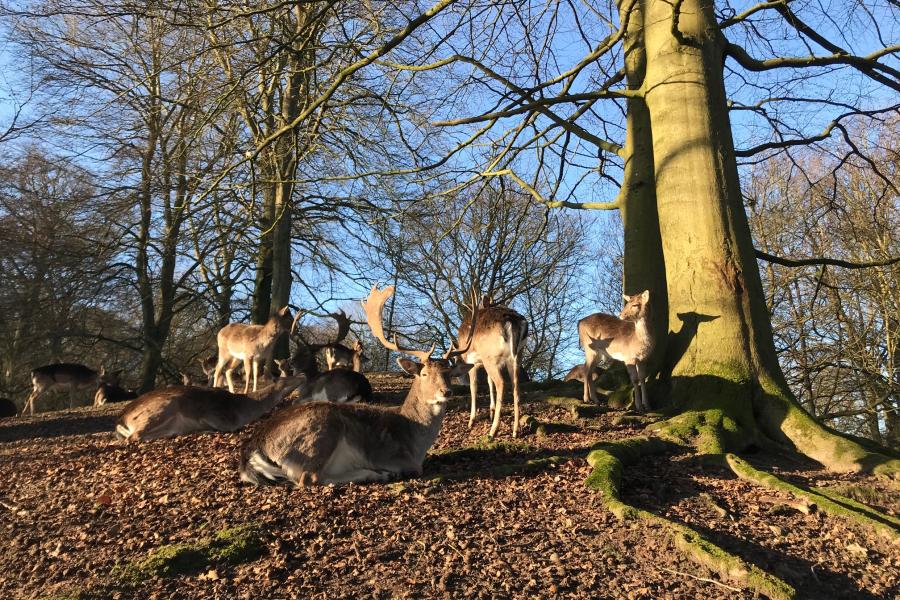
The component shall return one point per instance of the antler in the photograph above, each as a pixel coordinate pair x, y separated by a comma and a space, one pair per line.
473, 310
343, 322
300, 313
373, 306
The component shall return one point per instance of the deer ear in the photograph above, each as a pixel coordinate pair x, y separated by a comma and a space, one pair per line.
626, 297
645, 297
460, 368
410, 366
285, 310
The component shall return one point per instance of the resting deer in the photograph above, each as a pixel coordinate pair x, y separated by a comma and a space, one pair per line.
335, 385
321, 442
7, 408
625, 338
179, 409
62, 376
253, 344
338, 355
111, 391
496, 344
208, 366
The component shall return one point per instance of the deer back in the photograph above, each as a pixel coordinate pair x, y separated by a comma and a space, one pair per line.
499, 332
339, 385
65, 375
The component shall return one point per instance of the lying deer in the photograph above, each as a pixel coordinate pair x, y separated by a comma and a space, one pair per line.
322, 442
252, 344
61, 377
335, 385
179, 409
625, 338
111, 391
496, 344
338, 355
7, 408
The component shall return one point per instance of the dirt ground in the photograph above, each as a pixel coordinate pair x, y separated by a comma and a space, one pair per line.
509, 519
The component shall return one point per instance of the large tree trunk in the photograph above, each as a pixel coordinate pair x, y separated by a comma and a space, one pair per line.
724, 357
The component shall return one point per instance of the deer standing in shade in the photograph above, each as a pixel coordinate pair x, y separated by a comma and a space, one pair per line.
338, 355
72, 377
496, 344
625, 338
322, 442
252, 344
180, 409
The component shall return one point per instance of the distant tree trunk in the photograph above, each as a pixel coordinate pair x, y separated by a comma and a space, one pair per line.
262, 289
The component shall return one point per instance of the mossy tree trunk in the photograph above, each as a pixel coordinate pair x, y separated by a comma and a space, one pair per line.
721, 355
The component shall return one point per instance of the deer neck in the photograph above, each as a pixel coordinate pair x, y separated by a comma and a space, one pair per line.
427, 417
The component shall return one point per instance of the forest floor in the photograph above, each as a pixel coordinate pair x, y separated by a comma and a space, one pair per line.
84, 516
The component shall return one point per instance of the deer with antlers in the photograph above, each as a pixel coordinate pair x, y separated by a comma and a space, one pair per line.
110, 391
336, 354
71, 377
337, 384
180, 409
322, 442
496, 343
252, 344
624, 338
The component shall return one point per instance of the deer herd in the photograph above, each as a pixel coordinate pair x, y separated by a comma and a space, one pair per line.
333, 433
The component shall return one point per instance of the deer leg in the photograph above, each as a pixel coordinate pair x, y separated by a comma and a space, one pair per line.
491, 393
590, 362
247, 367
255, 363
494, 373
29, 404
219, 365
641, 374
513, 368
229, 378
473, 391
635, 383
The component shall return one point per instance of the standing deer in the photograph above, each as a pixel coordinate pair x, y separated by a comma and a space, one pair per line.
496, 343
321, 442
338, 355
179, 409
62, 376
335, 385
625, 338
253, 344
208, 366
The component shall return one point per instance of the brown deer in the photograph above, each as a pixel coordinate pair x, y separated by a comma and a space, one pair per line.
252, 344
72, 377
111, 391
338, 355
625, 338
322, 442
496, 344
179, 409
335, 385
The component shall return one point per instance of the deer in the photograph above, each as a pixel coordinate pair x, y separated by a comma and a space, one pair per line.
338, 355
252, 344
326, 443
180, 409
60, 377
625, 338
7, 408
208, 366
496, 343
335, 385
111, 391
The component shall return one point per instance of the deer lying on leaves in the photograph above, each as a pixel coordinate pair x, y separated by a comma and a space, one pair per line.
625, 338
179, 409
321, 442
338, 355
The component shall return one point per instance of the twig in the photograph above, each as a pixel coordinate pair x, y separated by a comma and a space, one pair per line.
705, 579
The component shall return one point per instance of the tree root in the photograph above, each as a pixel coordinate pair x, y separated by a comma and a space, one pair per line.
832, 503
607, 461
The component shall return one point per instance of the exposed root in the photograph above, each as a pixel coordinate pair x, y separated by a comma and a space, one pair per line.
607, 461
711, 432
829, 503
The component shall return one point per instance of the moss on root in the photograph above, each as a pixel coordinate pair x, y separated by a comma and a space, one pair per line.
711, 432
607, 461
845, 508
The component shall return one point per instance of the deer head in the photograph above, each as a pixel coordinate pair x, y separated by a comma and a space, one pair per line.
636, 306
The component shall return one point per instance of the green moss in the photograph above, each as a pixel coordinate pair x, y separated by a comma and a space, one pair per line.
230, 546
561, 388
858, 505
848, 509
712, 432
621, 397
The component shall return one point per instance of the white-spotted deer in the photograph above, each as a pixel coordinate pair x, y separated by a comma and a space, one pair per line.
496, 344
71, 377
179, 409
252, 344
321, 442
625, 338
